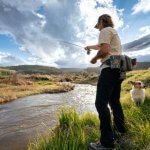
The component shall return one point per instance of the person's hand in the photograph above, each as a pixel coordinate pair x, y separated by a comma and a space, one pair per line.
87, 48
93, 61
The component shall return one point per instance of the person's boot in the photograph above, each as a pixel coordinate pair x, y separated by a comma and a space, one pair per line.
99, 146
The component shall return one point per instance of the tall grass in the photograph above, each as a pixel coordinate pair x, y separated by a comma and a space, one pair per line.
75, 132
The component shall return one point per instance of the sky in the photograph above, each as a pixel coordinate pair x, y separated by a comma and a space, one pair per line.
35, 32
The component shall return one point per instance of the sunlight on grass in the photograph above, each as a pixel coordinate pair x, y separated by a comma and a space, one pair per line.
75, 132
17, 86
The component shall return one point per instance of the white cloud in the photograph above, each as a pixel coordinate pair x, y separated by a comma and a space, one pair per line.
142, 52
27, 5
141, 6
143, 31
6, 59
40, 34
143, 58
37, 61
137, 45
125, 28
91, 10
141, 55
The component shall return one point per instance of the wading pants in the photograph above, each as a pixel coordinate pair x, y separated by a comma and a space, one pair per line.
108, 92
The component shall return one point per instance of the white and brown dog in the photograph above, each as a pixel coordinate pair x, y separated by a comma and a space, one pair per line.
137, 92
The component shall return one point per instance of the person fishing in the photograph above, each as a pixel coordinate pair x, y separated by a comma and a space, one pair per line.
108, 85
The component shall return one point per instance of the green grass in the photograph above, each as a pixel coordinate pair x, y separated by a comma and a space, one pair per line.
5, 72
44, 82
75, 132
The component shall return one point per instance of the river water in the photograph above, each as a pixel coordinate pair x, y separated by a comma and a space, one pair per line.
23, 119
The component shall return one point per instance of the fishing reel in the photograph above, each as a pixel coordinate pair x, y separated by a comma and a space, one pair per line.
88, 52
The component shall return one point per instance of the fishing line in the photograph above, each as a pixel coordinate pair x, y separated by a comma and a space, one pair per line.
88, 51
72, 44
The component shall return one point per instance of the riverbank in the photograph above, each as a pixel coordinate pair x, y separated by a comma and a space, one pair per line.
76, 131
14, 87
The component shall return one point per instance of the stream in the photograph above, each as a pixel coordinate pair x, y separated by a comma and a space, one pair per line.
21, 120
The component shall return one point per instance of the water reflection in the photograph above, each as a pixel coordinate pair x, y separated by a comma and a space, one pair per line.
20, 120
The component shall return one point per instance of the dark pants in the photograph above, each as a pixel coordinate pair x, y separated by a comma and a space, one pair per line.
108, 92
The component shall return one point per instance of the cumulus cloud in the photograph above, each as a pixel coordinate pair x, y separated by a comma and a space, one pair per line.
22, 6
6, 59
38, 27
141, 6
143, 58
137, 45
143, 31
91, 10
125, 28
139, 49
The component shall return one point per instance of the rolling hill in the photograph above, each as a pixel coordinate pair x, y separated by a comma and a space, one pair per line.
34, 69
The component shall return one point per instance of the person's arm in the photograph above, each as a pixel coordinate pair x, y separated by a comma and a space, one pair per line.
102, 53
94, 47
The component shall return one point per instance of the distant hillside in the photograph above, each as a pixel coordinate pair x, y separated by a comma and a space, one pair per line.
143, 65
30, 69
92, 70
71, 69
140, 66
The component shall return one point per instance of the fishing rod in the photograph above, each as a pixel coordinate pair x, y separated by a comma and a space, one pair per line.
88, 51
72, 44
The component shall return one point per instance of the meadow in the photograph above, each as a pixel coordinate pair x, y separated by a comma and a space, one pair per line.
75, 132
14, 86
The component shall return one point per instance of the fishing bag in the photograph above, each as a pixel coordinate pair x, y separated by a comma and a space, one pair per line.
122, 62
127, 63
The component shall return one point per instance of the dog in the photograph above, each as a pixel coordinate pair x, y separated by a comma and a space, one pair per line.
137, 92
